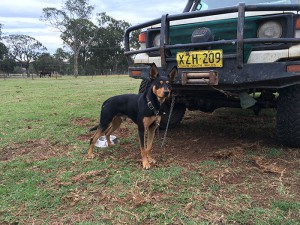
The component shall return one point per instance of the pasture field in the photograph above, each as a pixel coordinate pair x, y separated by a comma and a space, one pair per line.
219, 168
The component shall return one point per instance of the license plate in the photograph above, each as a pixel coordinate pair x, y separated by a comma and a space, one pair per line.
200, 59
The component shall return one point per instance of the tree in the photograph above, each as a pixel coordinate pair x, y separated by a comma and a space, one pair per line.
107, 50
77, 32
134, 40
24, 49
61, 55
44, 63
7, 65
62, 58
3, 49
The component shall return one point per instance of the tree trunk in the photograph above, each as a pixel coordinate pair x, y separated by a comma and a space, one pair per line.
76, 53
27, 71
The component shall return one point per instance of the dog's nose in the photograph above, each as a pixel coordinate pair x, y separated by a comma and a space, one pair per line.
166, 92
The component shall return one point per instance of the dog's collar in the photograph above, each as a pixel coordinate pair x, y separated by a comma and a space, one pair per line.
151, 107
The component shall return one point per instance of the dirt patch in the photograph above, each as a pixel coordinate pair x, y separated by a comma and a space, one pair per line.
85, 122
233, 153
37, 150
84, 137
219, 136
86, 176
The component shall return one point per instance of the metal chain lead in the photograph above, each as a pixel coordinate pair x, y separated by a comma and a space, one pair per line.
169, 119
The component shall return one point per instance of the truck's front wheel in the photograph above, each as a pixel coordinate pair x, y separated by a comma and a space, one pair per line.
144, 86
288, 116
176, 117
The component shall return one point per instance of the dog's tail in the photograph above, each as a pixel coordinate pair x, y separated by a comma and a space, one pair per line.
94, 128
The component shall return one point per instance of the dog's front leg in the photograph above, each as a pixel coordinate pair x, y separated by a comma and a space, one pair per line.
142, 135
151, 124
150, 138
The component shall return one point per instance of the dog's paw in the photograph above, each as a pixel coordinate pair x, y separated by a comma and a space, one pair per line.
91, 156
110, 144
146, 165
152, 161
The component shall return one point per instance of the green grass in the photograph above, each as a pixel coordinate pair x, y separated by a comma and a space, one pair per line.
45, 177
43, 108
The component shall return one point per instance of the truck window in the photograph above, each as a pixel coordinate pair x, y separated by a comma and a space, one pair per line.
204, 5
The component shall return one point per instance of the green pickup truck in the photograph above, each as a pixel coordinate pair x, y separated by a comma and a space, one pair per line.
228, 54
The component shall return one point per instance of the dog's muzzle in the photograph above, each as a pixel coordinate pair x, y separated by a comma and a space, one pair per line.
166, 93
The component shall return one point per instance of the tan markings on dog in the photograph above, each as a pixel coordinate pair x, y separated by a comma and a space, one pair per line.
154, 90
159, 94
148, 121
150, 125
145, 162
150, 139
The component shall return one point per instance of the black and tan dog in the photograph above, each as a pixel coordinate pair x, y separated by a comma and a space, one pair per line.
142, 109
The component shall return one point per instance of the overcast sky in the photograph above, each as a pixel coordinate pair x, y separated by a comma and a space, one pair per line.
23, 16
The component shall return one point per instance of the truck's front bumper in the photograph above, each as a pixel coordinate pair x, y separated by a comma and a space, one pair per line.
230, 77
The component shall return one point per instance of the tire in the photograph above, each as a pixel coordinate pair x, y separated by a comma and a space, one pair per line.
177, 115
143, 86
288, 116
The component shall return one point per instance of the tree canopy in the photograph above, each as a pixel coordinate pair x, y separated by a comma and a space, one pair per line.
77, 31
3, 49
44, 62
107, 50
23, 49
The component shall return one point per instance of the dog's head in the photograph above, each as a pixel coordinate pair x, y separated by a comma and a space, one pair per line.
162, 86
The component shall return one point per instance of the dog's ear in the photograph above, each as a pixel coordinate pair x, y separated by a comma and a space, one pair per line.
173, 74
153, 72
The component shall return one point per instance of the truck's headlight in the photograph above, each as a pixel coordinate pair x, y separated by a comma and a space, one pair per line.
156, 40
271, 29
